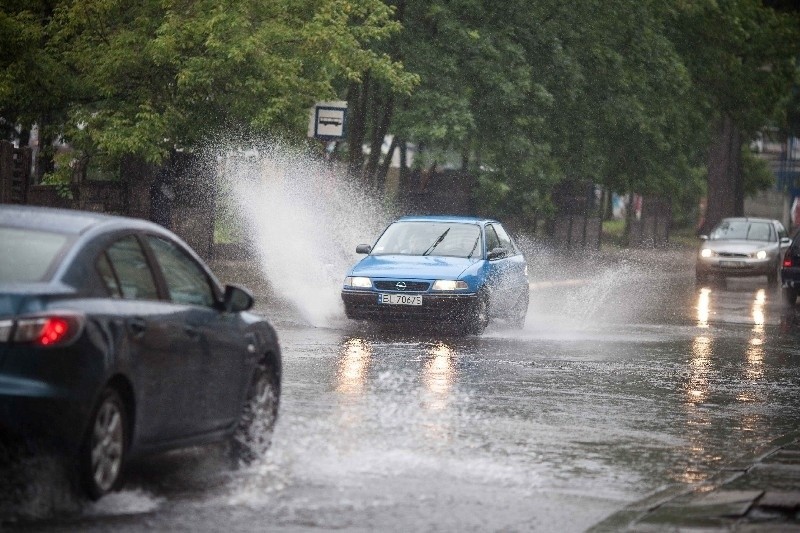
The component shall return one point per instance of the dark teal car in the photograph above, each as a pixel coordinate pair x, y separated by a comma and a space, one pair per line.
459, 271
116, 340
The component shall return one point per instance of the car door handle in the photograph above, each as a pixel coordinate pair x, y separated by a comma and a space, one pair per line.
191, 331
137, 326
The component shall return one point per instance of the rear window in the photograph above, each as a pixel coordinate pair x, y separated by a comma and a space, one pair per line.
29, 255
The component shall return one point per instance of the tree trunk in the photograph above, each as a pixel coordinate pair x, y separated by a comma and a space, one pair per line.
383, 108
357, 95
387, 162
725, 189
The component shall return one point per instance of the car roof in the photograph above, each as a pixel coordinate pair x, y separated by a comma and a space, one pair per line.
446, 218
750, 219
62, 220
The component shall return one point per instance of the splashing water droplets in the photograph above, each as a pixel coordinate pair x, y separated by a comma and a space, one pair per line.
303, 217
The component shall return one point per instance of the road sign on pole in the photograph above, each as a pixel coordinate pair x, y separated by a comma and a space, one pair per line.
328, 121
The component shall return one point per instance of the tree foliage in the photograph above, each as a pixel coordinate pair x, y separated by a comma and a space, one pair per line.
145, 78
529, 97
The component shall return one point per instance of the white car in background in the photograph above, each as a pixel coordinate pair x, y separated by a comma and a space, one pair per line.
742, 247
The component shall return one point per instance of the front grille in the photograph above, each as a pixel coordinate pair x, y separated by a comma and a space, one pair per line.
731, 254
410, 286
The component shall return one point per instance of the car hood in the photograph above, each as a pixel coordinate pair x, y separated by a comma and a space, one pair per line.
740, 247
411, 267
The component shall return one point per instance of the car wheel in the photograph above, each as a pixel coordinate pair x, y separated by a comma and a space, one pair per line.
253, 434
478, 318
701, 277
102, 455
789, 296
772, 277
519, 312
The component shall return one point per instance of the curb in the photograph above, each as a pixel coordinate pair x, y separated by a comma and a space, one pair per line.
709, 506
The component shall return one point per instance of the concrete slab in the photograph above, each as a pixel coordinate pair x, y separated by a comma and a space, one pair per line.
787, 501
775, 476
726, 497
787, 457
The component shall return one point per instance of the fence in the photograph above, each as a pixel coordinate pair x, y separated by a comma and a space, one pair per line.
15, 173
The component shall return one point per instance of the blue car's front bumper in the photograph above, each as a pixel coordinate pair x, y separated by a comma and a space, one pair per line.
448, 308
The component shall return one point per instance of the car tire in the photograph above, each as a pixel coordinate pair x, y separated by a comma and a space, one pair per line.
478, 317
103, 452
701, 277
772, 277
789, 296
253, 434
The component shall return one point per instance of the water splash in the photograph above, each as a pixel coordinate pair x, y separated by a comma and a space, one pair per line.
304, 218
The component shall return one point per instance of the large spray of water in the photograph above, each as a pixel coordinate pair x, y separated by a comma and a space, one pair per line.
304, 217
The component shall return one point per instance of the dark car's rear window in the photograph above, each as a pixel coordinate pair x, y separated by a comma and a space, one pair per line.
28, 255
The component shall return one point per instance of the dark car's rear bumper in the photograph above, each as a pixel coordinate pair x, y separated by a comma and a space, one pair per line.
47, 394
790, 278
36, 410
450, 308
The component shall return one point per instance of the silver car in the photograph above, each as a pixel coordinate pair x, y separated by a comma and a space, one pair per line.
743, 246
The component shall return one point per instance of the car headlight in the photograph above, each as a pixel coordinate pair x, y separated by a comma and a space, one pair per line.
358, 282
449, 285
761, 254
705, 252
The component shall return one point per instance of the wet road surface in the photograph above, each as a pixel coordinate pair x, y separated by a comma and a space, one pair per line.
623, 381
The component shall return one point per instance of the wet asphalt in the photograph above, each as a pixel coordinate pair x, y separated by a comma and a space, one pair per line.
627, 382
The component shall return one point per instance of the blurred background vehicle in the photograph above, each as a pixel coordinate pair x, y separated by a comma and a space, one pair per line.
742, 247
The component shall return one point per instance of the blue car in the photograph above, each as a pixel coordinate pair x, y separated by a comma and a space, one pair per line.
116, 341
461, 271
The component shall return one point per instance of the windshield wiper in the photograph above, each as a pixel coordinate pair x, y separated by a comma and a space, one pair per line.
436, 242
477, 239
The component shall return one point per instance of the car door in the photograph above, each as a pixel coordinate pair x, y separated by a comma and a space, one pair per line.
515, 280
220, 360
159, 355
497, 277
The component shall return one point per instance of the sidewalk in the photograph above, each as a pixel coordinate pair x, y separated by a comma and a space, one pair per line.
757, 493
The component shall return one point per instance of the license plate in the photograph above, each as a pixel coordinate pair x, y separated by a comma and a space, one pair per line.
400, 299
731, 264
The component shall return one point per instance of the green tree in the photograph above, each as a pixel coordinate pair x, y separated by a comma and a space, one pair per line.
34, 85
742, 57
146, 78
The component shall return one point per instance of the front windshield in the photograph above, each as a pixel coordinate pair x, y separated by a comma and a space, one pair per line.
743, 230
444, 239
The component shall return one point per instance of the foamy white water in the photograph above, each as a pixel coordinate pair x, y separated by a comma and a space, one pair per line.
304, 217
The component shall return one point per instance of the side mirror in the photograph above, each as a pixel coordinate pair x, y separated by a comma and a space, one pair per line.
497, 253
703, 237
786, 240
363, 249
236, 299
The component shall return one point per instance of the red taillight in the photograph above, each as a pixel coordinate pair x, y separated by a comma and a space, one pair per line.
53, 331
47, 330
788, 260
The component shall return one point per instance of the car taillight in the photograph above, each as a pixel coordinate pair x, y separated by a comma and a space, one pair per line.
51, 330
788, 260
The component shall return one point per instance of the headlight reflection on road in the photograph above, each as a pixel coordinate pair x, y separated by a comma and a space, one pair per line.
439, 374
703, 307
696, 387
754, 368
354, 360
758, 312
699, 368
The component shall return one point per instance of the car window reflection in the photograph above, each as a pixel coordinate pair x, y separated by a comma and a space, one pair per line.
133, 272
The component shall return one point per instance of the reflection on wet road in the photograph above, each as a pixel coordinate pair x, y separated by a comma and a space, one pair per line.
616, 387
